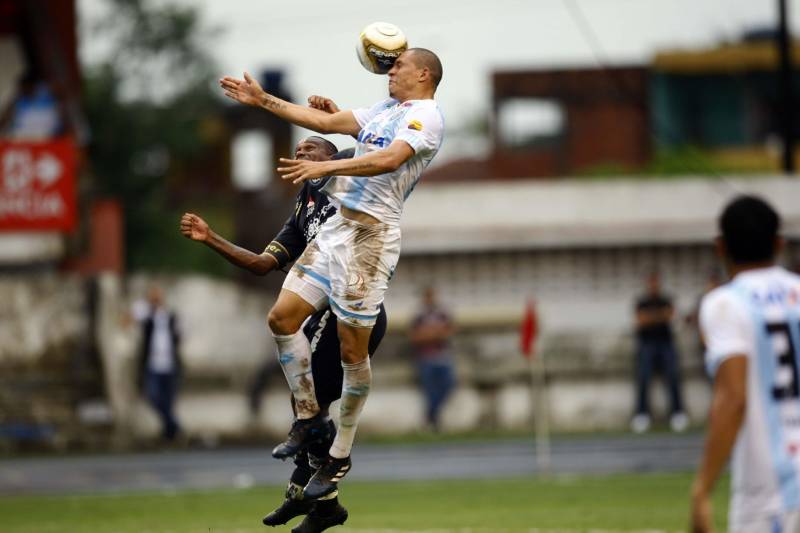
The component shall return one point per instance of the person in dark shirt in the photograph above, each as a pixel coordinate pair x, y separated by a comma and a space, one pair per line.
656, 350
431, 334
312, 208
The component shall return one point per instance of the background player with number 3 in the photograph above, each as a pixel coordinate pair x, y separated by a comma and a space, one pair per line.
751, 328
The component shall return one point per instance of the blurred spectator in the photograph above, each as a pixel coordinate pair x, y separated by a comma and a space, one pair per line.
159, 358
34, 114
431, 334
656, 351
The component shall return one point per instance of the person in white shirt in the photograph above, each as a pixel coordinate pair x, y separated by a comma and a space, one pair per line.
159, 358
751, 329
350, 263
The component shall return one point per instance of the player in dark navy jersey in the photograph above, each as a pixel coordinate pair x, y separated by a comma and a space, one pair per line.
311, 210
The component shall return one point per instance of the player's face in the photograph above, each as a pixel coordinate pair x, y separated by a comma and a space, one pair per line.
311, 150
403, 76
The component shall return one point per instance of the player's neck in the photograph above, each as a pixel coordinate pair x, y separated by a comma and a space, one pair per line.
737, 268
417, 95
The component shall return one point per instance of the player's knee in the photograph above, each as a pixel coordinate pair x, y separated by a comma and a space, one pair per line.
281, 323
352, 354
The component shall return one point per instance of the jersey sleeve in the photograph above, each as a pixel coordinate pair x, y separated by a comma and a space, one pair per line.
365, 114
725, 327
290, 241
421, 128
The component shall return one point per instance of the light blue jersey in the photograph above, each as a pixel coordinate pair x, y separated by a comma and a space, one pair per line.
417, 122
757, 315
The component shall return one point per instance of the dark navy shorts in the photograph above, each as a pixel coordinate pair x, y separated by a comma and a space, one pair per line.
326, 359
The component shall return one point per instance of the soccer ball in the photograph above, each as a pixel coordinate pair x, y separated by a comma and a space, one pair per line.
379, 45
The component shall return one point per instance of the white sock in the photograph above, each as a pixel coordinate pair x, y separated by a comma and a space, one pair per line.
355, 389
294, 355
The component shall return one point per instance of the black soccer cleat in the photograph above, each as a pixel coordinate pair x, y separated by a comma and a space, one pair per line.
326, 479
315, 522
303, 434
288, 510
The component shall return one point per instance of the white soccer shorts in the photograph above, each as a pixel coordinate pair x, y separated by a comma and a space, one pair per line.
788, 522
350, 263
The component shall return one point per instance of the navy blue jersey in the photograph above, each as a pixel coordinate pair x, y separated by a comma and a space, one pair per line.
311, 210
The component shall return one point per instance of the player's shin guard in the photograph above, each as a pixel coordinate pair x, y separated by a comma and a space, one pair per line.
294, 354
355, 389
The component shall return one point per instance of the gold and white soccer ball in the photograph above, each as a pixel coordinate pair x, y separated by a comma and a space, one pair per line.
379, 44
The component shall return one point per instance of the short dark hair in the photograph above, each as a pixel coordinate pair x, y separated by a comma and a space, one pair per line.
329, 146
749, 227
347, 153
425, 58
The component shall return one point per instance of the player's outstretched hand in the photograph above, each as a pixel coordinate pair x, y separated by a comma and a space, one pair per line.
193, 227
299, 170
323, 104
246, 91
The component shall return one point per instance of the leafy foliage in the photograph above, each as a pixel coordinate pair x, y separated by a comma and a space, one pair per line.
146, 101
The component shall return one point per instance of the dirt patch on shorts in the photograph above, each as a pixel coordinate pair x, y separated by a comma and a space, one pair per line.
364, 264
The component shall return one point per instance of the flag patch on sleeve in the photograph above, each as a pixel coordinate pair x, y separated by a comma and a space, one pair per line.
415, 125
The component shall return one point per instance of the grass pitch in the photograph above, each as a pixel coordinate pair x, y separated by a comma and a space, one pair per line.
646, 502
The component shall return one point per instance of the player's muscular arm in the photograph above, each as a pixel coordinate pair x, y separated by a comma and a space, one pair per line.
371, 164
248, 91
727, 413
195, 228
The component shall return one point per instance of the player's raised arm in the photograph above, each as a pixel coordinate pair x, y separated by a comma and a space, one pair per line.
371, 164
195, 228
248, 91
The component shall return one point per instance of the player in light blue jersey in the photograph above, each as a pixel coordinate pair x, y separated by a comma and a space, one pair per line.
350, 263
751, 328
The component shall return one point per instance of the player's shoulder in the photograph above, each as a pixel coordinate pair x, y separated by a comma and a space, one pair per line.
722, 301
723, 293
425, 112
429, 105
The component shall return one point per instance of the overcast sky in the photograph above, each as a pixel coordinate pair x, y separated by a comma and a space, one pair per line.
314, 40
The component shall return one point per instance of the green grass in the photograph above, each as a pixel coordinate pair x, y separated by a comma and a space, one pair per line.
611, 503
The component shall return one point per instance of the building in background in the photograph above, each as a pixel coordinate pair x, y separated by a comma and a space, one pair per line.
723, 102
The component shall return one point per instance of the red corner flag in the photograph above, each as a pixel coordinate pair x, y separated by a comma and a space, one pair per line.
527, 331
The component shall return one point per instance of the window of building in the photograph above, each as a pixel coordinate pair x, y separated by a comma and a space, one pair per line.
529, 122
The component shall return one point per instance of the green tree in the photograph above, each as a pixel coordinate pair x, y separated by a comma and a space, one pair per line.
146, 99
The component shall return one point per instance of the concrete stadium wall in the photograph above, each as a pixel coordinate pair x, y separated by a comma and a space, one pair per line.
44, 328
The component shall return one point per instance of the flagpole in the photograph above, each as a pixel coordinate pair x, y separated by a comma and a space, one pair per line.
540, 411
529, 331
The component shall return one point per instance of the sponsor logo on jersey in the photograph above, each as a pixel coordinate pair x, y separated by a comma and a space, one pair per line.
415, 125
310, 205
371, 138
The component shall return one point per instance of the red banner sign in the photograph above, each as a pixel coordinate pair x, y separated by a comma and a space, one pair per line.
37, 185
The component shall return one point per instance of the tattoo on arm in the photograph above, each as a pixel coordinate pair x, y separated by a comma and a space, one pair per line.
272, 103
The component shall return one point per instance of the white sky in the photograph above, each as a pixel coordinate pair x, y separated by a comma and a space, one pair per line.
314, 40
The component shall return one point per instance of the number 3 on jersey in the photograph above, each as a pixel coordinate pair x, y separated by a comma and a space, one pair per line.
786, 385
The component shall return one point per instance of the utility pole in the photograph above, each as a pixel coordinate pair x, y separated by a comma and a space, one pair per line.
787, 103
